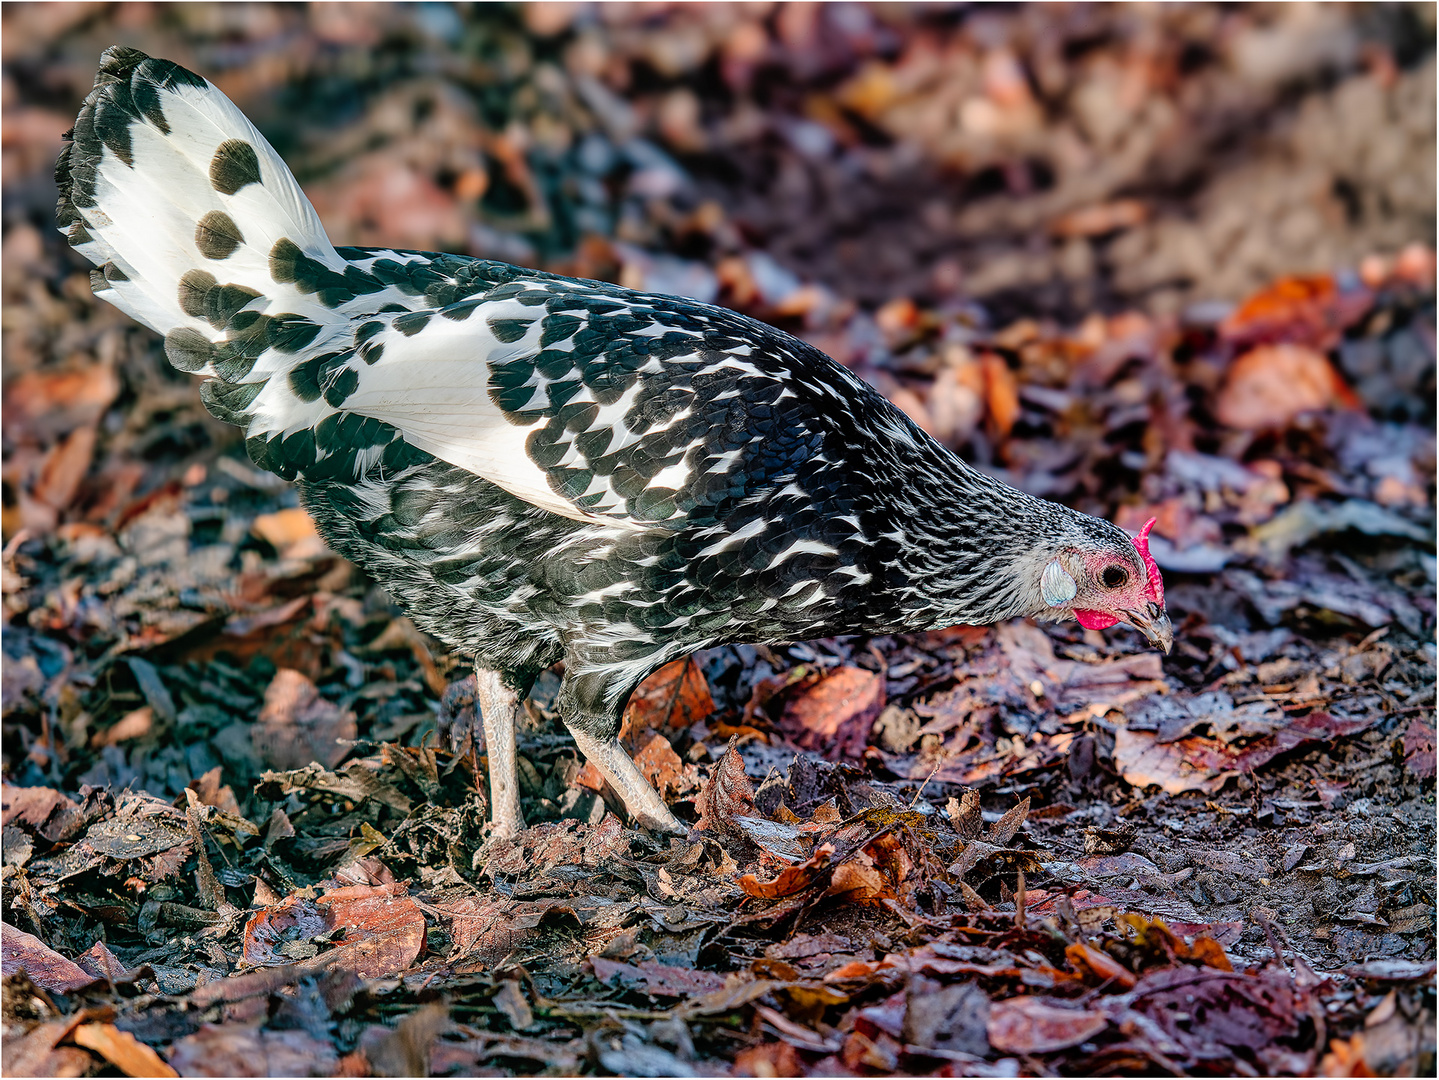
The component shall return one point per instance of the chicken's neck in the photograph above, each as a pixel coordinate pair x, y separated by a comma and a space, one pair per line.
969, 548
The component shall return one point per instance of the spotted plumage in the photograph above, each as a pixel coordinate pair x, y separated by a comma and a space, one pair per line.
540, 468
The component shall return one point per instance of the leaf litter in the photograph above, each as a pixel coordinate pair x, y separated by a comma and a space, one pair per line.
235, 843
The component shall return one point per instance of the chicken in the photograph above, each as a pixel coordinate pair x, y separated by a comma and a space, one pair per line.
539, 468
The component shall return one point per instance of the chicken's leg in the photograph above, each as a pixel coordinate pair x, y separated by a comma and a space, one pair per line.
499, 706
639, 796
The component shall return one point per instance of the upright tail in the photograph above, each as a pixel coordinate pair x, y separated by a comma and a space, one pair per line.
200, 231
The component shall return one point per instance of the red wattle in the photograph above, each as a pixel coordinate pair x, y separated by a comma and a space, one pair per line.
1094, 620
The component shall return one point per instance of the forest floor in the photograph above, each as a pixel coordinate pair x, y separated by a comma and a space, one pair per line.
1162, 262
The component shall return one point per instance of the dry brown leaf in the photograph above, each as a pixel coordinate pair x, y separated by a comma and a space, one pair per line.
792, 879
858, 881
1311, 310
1030, 1025
727, 794
100, 962
291, 532
48, 402
1100, 964
65, 467
1001, 394
48, 813
661, 766
1003, 830
121, 1049
242, 1050
36, 1053
380, 930
834, 716
657, 978
47, 968
1270, 385
1199, 763
676, 696
297, 726
1419, 747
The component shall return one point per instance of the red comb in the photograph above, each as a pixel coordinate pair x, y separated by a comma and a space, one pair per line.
1154, 587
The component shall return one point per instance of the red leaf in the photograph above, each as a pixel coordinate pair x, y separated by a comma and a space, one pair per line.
1419, 747
47, 968
675, 696
1028, 1025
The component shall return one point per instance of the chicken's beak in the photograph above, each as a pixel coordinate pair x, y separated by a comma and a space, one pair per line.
1154, 625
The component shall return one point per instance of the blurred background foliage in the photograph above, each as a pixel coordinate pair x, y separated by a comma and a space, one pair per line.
1039, 159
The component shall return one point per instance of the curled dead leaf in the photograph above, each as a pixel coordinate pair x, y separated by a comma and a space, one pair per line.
792, 879
727, 794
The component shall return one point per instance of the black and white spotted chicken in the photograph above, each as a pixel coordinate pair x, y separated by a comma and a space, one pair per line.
539, 468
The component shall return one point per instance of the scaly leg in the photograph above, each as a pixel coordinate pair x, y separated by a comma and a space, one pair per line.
499, 705
638, 795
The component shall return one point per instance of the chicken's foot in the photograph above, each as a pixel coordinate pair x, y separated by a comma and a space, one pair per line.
637, 793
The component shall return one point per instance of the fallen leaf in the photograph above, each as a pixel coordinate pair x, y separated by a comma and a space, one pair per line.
409, 1049
1101, 965
1100, 218
1419, 747
297, 726
65, 467
834, 715
1198, 763
792, 879
657, 978
379, 930
676, 696
291, 532
1312, 310
1270, 385
49, 813
101, 963
1001, 394
661, 766
46, 403
46, 968
1030, 1025
37, 1053
243, 1050
858, 881
510, 1000
121, 1049
727, 794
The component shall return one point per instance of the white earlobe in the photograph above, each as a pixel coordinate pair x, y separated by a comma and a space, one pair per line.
1056, 586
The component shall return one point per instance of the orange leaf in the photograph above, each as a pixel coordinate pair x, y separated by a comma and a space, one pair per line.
1001, 394
792, 879
1210, 953
65, 466
1311, 310
726, 794
835, 715
1270, 385
1026, 1025
675, 696
121, 1049
1100, 964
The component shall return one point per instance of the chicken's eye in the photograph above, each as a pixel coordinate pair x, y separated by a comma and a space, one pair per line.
1114, 576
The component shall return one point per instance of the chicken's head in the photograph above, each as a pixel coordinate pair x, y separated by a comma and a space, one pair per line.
1102, 586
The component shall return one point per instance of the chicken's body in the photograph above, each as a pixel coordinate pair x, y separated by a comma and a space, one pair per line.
539, 468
